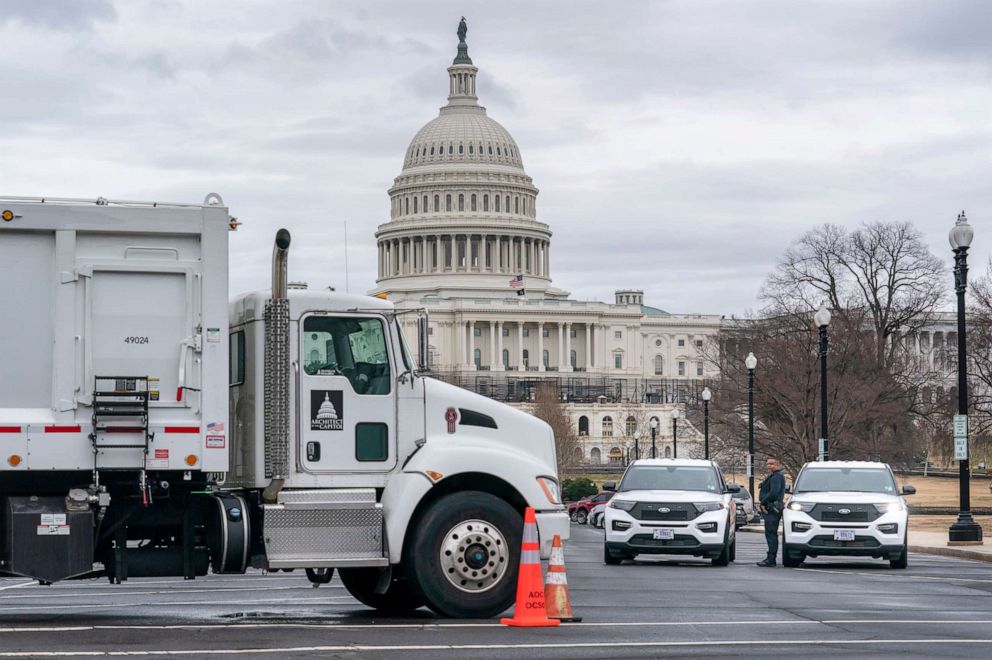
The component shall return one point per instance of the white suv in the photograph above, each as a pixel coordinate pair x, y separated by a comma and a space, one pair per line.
848, 508
673, 507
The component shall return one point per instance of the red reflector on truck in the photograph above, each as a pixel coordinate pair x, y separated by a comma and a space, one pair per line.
63, 429
10, 429
182, 429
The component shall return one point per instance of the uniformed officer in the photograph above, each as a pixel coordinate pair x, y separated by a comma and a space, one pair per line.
770, 497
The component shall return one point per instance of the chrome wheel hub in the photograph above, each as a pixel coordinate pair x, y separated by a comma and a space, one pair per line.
474, 556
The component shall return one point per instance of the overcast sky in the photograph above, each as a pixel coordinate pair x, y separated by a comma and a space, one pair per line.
678, 146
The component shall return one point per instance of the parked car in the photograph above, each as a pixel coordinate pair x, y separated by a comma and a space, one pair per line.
746, 511
579, 511
597, 515
671, 506
850, 508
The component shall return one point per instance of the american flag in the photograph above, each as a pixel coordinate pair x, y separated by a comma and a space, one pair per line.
517, 282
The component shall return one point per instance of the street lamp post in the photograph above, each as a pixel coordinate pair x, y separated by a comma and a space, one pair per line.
964, 530
751, 363
822, 320
637, 444
675, 432
706, 396
654, 432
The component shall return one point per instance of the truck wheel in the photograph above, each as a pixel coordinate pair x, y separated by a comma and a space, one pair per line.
361, 583
580, 516
463, 555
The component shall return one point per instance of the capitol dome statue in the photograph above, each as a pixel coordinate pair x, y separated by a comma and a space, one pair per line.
463, 216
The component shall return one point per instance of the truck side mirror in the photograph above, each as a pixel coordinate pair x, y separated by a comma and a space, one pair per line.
610, 486
909, 490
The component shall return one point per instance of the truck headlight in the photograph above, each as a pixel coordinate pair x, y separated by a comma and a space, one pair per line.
703, 507
550, 488
623, 505
805, 507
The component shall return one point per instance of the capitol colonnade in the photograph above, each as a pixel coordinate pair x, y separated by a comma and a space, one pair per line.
439, 253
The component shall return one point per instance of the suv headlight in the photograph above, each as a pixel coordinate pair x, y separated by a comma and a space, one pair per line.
550, 488
805, 507
885, 507
623, 505
703, 507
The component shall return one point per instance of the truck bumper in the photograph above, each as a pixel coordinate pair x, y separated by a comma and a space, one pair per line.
550, 523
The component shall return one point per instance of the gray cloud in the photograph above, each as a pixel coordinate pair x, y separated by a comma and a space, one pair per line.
679, 146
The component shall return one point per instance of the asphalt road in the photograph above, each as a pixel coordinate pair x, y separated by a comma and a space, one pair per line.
938, 607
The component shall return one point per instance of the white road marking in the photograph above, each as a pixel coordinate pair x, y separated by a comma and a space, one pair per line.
99, 606
491, 647
437, 626
16, 586
891, 577
113, 594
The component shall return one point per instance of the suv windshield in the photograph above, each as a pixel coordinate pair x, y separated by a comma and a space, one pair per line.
671, 477
857, 480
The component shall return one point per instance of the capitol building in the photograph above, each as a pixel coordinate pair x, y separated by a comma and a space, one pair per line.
464, 241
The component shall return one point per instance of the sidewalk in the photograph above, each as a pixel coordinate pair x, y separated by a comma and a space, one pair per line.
935, 543
931, 543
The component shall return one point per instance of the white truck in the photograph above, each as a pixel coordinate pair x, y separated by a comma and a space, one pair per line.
149, 428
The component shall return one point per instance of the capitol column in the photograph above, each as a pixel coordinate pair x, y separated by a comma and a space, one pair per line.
470, 345
499, 346
561, 346
520, 346
568, 348
588, 347
492, 345
540, 345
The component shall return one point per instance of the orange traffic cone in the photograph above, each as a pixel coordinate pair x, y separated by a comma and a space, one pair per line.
529, 610
556, 587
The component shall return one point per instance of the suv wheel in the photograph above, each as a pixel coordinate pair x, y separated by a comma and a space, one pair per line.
580, 516
572, 516
723, 559
790, 558
733, 550
902, 561
609, 558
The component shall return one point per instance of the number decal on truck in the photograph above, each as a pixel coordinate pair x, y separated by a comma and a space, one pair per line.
136, 340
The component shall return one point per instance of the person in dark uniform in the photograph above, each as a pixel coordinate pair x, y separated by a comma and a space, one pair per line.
770, 498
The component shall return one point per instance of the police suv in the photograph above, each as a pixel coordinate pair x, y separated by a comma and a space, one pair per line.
671, 506
848, 508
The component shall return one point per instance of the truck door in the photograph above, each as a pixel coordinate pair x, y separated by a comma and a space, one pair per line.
347, 394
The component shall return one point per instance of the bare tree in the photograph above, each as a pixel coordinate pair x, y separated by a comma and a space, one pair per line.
548, 407
883, 273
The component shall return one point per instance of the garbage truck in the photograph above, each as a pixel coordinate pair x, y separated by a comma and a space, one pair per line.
150, 426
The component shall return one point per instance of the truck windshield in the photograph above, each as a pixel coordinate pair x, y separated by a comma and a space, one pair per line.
670, 477
857, 480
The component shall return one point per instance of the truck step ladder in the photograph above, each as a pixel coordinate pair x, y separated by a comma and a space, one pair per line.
120, 405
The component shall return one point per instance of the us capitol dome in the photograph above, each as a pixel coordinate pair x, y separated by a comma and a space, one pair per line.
463, 205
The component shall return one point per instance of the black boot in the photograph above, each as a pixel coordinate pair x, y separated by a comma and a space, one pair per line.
767, 563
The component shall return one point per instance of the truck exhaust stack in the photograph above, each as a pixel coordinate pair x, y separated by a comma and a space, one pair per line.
277, 377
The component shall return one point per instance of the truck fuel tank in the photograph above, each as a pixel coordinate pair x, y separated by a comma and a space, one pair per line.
44, 540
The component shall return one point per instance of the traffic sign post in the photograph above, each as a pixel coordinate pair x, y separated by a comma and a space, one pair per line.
822, 449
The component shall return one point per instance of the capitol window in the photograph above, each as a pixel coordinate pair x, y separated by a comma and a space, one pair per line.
408, 206
470, 149
496, 203
477, 332
424, 209
437, 202
526, 332
573, 358
618, 360
526, 357
432, 151
607, 427
497, 151
516, 205
506, 358
681, 368
485, 202
447, 203
659, 365
461, 148
507, 204
474, 204
506, 332
490, 150
546, 332
618, 334
451, 149
681, 342
461, 202
414, 204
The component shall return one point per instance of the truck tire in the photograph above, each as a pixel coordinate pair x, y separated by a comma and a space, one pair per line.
399, 597
463, 555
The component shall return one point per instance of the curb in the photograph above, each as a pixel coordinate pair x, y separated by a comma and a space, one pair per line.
958, 553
